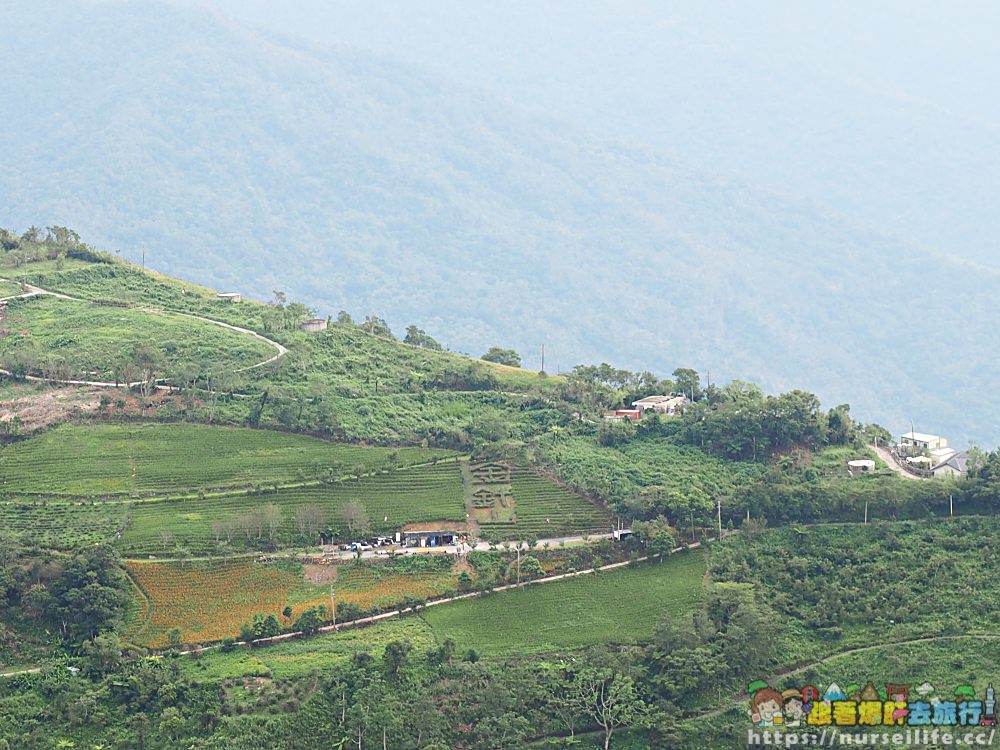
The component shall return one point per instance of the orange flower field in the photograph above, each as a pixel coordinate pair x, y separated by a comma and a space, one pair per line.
238, 591
372, 588
176, 594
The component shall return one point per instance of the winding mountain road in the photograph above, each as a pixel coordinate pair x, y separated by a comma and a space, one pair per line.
36, 291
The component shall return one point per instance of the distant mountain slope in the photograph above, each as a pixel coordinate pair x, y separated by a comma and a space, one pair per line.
884, 111
255, 163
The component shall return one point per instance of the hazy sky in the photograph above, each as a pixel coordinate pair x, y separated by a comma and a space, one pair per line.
933, 51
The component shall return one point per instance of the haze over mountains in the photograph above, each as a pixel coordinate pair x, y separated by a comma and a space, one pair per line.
352, 180
883, 111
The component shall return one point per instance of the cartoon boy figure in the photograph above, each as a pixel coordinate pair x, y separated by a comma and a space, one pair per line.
765, 707
792, 707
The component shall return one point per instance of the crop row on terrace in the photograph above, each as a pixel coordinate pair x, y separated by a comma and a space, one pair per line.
236, 521
156, 459
63, 525
545, 509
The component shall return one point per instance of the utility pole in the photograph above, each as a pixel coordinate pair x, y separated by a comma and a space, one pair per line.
333, 608
718, 507
543, 357
951, 506
866, 512
518, 563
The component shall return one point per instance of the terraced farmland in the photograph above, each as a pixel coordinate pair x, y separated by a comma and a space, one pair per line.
210, 601
156, 459
621, 606
63, 525
545, 509
423, 493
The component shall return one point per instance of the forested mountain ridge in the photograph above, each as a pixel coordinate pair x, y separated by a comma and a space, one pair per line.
256, 163
878, 111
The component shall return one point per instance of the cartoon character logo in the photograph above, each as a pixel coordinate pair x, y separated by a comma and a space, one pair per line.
765, 704
792, 707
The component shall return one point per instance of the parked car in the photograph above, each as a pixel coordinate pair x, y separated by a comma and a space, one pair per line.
363, 546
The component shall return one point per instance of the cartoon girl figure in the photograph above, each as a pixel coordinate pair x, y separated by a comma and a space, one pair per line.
792, 708
810, 694
765, 707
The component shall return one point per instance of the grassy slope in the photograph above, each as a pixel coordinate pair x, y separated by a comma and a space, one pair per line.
394, 361
342, 380
301, 657
620, 606
104, 459
90, 339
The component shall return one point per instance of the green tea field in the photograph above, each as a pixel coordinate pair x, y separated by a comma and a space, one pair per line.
619, 606
158, 459
64, 524
257, 520
297, 658
544, 509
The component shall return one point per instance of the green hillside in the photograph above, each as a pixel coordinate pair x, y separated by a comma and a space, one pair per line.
71, 339
156, 459
219, 488
390, 500
508, 228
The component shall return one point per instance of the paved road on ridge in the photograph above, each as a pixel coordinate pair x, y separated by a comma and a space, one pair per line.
888, 460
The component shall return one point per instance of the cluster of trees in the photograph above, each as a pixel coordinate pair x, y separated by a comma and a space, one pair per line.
283, 315
268, 626
597, 387
739, 421
77, 597
373, 325
502, 356
51, 243
265, 526
419, 337
260, 526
